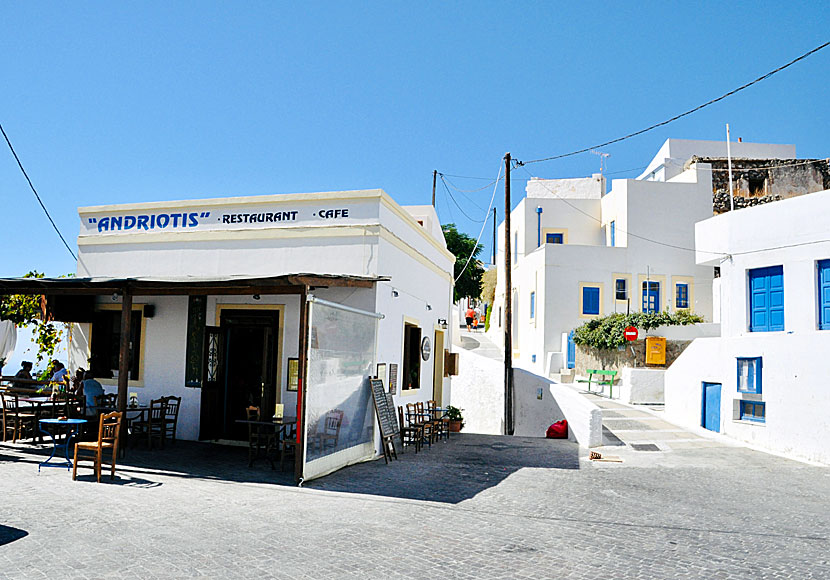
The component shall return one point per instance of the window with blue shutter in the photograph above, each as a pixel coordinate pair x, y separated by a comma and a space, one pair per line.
766, 299
533, 304
824, 294
554, 238
590, 300
681, 295
613, 233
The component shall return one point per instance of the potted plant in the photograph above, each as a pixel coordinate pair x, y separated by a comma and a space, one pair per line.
456, 418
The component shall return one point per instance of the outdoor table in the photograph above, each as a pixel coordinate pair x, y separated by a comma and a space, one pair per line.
37, 404
72, 431
279, 425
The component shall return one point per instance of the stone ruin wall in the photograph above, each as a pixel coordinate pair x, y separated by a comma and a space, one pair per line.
782, 178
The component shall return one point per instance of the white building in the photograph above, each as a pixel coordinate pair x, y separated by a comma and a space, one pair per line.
764, 380
579, 254
378, 274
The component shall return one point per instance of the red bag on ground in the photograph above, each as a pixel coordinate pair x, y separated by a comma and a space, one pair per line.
558, 430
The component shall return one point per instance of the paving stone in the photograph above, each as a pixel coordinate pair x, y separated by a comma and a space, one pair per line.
474, 507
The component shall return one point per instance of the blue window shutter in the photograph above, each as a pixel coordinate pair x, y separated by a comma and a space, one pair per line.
824, 294
766, 299
613, 233
590, 300
681, 299
554, 238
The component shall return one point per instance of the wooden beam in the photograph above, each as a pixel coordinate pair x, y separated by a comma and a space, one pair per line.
124, 360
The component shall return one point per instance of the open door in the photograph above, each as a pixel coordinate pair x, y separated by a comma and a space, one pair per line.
212, 383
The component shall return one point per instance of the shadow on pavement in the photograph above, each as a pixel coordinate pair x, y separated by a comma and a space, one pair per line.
9, 534
452, 471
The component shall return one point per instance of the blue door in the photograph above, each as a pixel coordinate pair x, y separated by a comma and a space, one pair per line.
651, 296
824, 294
710, 413
571, 350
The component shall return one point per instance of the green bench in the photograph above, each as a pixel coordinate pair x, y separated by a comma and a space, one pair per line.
601, 378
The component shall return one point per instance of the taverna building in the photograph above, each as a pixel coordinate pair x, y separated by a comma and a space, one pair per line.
292, 300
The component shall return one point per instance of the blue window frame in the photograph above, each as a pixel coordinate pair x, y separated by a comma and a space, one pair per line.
651, 296
533, 304
749, 375
515, 247
554, 238
613, 233
766, 299
621, 289
753, 411
681, 295
590, 300
824, 294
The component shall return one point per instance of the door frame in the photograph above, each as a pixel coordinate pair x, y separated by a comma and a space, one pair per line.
438, 369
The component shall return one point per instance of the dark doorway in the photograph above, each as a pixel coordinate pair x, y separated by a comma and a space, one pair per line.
247, 373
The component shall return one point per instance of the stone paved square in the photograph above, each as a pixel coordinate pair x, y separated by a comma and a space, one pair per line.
474, 507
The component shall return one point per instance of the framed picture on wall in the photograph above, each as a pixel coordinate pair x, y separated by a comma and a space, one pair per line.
393, 378
293, 374
381, 373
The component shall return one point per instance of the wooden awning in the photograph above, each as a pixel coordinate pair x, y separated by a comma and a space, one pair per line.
283, 284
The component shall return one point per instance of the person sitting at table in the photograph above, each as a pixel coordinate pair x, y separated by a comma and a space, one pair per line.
78, 380
60, 378
90, 388
25, 372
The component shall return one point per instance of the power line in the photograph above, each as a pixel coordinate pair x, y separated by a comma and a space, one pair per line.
467, 190
681, 115
489, 207
46, 211
461, 209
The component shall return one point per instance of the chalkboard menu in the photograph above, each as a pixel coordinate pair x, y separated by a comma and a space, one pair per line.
385, 410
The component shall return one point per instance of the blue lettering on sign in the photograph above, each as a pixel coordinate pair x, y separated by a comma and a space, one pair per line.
161, 221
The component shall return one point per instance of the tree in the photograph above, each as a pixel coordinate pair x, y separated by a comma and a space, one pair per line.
468, 281
24, 310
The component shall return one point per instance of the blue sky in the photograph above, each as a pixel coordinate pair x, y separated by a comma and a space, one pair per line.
127, 102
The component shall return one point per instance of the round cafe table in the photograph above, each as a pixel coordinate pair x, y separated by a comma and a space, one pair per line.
73, 426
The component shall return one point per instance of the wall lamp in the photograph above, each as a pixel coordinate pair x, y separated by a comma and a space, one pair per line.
429, 306
395, 293
442, 322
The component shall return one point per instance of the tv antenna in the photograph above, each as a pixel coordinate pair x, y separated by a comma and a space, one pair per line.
602, 157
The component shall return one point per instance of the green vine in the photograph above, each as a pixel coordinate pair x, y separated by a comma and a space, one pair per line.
607, 332
24, 310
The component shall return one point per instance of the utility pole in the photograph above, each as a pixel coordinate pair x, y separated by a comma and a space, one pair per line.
508, 306
434, 178
495, 235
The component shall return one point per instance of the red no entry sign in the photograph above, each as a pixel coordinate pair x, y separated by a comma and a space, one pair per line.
630, 333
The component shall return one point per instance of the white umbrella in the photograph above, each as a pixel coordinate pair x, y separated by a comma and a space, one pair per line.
8, 340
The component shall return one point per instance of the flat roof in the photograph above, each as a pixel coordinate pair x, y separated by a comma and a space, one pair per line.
154, 286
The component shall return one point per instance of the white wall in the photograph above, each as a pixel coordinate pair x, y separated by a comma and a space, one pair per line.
785, 233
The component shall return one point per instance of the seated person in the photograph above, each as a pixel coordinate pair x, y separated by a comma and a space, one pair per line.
25, 372
60, 378
90, 389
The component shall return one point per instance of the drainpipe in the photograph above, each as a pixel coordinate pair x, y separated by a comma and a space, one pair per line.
538, 226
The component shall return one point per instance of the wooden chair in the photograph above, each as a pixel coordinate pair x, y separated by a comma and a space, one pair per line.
109, 426
331, 430
289, 444
415, 419
106, 401
14, 420
430, 428
410, 435
441, 423
153, 426
171, 417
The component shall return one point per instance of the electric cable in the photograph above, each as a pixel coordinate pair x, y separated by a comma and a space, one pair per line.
681, 115
492, 199
37, 196
461, 209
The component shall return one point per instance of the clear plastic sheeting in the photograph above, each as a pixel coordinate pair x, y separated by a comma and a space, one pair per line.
338, 409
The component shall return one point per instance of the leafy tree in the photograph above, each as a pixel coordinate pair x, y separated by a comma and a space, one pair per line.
462, 245
24, 310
